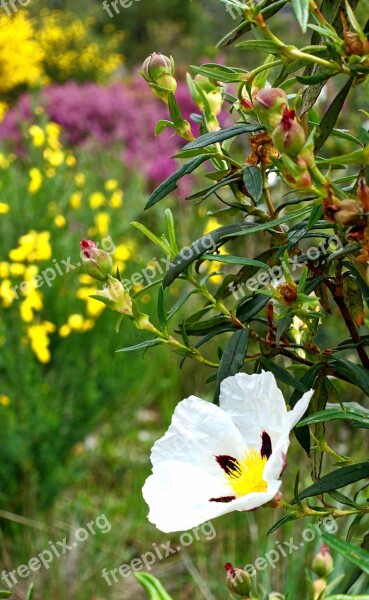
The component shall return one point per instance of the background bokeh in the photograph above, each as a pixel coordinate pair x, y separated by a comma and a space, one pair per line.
78, 158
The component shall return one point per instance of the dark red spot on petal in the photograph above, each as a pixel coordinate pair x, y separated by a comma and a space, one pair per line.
228, 463
266, 445
223, 499
230, 569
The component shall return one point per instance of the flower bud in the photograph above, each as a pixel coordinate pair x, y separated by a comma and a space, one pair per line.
275, 596
269, 104
287, 293
352, 44
300, 178
115, 296
238, 581
322, 563
97, 263
158, 71
347, 212
289, 136
212, 92
319, 586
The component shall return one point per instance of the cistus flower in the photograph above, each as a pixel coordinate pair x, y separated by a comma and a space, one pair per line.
269, 104
289, 136
238, 581
158, 71
217, 459
322, 564
97, 263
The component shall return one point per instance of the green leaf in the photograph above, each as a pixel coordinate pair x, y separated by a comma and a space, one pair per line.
161, 125
232, 358
161, 311
253, 181
301, 10
282, 374
199, 248
337, 479
250, 306
308, 380
355, 555
351, 412
179, 304
30, 592
153, 586
170, 184
171, 230
356, 374
151, 236
332, 114
364, 287
312, 79
142, 345
215, 137
282, 521
236, 260
5, 594
272, 224
261, 46
220, 72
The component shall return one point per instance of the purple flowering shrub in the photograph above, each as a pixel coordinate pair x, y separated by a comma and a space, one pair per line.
121, 114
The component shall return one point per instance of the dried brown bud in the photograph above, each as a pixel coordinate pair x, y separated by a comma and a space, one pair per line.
347, 212
363, 192
352, 44
287, 293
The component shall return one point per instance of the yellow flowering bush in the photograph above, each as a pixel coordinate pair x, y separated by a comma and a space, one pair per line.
55, 204
21, 55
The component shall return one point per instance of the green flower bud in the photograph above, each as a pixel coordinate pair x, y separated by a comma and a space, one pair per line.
319, 586
115, 296
97, 263
158, 71
269, 104
238, 581
322, 564
289, 136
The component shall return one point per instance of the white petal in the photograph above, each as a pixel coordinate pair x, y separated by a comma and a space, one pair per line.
295, 415
199, 431
277, 460
179, 495
255, 404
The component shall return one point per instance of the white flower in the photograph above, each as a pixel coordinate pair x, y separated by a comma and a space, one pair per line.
213, 460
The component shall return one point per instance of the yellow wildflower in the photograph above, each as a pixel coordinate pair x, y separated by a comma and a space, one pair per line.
80, 179
4, 269
39, 338
116, 199
32, 246
38, 135
111, 185
17, 269
4, 400
102, 222
31, 303
35, 180
75, 200
6, 293
60, 221
96, 200
4, 208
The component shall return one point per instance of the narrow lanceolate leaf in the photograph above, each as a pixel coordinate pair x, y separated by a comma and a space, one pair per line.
5, 594
282, 521
142, 345
152, 586
210, 241
170, 184
161, 311
337, 479
354, 299
232, 358
356, 374
360, 280
261, 45
236, 260
351, 412
253, 181
215, 137
355, 555
220, 72
301, 10
331, 116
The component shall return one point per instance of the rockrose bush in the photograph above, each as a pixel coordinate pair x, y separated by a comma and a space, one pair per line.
290, 316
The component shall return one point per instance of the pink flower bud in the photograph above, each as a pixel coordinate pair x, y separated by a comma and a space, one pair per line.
97, 263
269, 104
238, 581
322, 564
289, 136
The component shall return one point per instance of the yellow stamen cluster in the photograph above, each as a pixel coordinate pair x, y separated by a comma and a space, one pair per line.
247, 475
